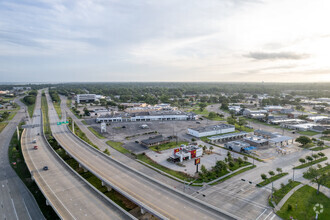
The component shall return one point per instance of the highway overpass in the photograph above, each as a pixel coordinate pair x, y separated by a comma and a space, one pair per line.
69, 194
16, 201
147, 192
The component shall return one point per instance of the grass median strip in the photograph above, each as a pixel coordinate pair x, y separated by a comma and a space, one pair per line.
271, 179
169, 145
311, 163
2, 126
233, 174
118, 146
95, 133
285, 189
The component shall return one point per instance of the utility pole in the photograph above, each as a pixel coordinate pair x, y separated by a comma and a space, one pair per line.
72, 126
17, 133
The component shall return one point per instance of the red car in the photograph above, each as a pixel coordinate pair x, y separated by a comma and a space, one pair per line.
35, 147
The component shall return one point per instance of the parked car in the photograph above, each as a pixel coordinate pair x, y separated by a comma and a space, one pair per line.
45, 168
35, 147
137, 142
34, 141
198, 122
123, 126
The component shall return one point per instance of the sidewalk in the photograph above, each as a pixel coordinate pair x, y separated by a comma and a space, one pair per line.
286, 197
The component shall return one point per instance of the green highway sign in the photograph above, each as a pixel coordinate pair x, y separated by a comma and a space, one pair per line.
62, 122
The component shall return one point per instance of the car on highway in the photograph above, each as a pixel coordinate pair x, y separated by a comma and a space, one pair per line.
35, 147
34, 141
45, 168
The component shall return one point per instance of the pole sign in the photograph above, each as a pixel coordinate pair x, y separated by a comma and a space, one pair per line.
197, 161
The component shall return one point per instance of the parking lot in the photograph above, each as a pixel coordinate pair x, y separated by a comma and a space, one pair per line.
130, 132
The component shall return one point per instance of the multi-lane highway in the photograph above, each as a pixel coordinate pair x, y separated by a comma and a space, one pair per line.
154, 195
16, 201
70, 195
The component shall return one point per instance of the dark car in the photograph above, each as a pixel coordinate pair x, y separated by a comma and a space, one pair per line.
137, 142
45, 168
124, 126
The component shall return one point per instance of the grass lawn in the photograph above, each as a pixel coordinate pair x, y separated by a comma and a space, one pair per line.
57, 106
15, 155
319, 148
118, 146
234, 174
84, 122
168, 146
243, 128
272, 179
30, 108
309, 133
326, 138
2, 125
305, 199
96, 133
205, 114
280, 193
311, 163
177, 174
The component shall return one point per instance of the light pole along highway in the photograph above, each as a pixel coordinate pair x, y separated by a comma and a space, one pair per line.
150, 194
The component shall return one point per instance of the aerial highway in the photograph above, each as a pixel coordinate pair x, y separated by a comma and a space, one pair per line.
147, 192
68, 193
16, 201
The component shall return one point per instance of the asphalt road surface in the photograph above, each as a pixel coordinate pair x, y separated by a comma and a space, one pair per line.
16, 201
159, 198
70, 196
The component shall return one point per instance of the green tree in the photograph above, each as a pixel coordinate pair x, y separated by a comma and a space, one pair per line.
302, 160
309, 158
106, 151
303, 140
317, 177
241, 121
202, 106
203, 170
320, 143
245, 158
321, 154
263, 176
271, 173
315, 156
212, 115
211, 148
279, 170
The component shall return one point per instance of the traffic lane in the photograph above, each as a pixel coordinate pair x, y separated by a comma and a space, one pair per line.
16, 200
152, 195
71, 191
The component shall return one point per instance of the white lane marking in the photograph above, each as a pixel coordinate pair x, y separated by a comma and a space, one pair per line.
268, 214
273, 217
27, 209
12, 202
261, 214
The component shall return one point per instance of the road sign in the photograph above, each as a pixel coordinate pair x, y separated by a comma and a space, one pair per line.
62, 122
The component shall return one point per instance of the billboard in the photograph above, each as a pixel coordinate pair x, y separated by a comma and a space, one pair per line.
176, 150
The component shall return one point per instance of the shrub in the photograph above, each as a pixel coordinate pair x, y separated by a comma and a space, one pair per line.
271, 173
289, 207
302, 160
309, 158
263, 176
321, 154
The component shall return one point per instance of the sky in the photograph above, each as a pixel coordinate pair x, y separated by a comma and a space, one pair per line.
172, 40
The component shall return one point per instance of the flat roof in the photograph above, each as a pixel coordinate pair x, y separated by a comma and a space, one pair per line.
213, 127
227, 135
280, 139
256, 139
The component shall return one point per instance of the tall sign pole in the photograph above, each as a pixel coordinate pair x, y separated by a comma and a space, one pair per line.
197, 161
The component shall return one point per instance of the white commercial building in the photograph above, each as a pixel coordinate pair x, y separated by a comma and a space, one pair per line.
85, 98
148, 116
211, 130
186, 153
